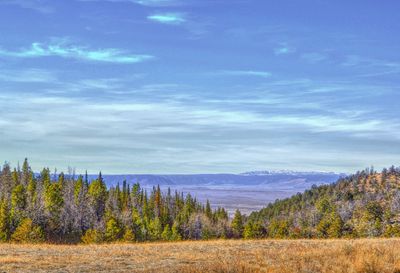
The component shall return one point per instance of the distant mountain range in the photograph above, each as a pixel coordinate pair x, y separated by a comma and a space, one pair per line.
248, 191
273, 179
289, 172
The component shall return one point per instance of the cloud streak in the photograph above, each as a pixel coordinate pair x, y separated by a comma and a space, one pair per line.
69, 51
157, 3
35, 5
284, 49
171, 18
241, 73
27, 75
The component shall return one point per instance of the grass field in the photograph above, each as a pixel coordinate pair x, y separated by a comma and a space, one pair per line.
346, 256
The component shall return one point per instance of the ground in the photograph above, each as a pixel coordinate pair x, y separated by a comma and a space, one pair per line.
346, 256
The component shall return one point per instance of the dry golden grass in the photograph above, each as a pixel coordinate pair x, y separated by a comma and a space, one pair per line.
308, 256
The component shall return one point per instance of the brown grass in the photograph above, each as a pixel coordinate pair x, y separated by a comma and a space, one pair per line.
303, 256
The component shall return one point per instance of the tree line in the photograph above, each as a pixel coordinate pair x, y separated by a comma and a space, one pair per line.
65, 208
366, 204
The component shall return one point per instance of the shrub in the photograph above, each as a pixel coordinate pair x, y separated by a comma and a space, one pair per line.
129, 236
27, 232
113, 230
92, 236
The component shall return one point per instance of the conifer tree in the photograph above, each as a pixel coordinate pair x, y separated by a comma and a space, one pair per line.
18, 204
27, 232
175, 234
167, 233
98, 195
113, 231
237, 224
4, 221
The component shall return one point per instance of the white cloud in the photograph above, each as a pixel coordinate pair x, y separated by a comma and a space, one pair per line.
28, 75
171, 18
255, 73
36, 5
60, 48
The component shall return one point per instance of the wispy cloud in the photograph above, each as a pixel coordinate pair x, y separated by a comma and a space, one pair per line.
314, 57
284, 49
27, 75
65, 50
370, 67
157, 3
148, 3
254, 73
172, 18
36, 5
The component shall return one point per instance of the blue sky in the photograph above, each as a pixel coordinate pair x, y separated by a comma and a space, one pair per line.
185, 86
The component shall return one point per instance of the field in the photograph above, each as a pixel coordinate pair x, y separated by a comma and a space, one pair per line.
369, 256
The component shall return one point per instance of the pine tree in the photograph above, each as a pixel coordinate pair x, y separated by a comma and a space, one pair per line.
175, 234
53, 204
208, 210
248, 232
155, 229
92, 236
31, 191
4, 221
18, 204
167, 233
113, 231
336, 226
78, 188
98, 195
26, 173
27, 232
237, 225
129, 236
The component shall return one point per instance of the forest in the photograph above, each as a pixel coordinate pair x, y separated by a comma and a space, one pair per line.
68, 208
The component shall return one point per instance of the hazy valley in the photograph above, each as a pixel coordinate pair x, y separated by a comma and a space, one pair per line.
248, 191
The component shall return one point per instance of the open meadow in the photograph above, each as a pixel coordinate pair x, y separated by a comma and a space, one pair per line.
346, 256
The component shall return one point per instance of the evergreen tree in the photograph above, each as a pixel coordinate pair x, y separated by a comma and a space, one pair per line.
167, 233
4, 221
27, 232
98, 196
18, 204
175, 234
237, 225
114, 231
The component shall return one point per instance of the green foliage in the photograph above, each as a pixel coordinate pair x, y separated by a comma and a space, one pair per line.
31, 190
27, 232
368, 206
78, 188
392, 231
114, 231
167, 233
92, 236
253, 230
237, 224
129, 236
18, 203
98, 196
5, 221
175, 234
54, 203
361, 205
279, 229
155, 229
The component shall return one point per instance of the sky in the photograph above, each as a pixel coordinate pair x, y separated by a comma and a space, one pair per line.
200, 86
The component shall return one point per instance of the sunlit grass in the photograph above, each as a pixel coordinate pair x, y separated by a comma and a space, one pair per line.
359, 256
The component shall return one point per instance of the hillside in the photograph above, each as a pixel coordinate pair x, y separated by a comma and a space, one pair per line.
365, 204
